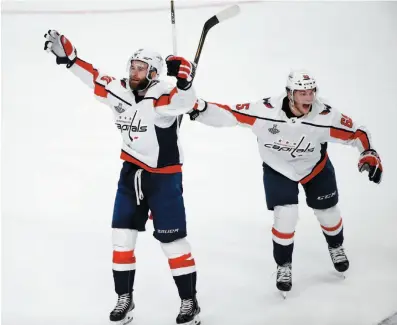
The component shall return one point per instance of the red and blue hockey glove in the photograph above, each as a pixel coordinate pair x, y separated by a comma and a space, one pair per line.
182, 69
370, 161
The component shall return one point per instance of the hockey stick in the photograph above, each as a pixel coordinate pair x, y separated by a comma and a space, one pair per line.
211, 22
174, 48
173, 27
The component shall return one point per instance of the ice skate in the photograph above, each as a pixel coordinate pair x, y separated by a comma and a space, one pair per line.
122, 313
339, 258
284, 278
189, 312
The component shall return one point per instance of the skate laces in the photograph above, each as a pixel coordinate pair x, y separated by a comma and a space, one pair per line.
187, 306
138, 186
337, 254
284, 273
122, 303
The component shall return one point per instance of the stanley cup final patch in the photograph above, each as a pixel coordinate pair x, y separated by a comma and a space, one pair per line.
119, 108
274, 130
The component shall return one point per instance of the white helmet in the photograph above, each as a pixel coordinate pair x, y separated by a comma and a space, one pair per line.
152, 58
300, 80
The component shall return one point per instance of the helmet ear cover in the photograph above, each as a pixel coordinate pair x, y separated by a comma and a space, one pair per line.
149, 73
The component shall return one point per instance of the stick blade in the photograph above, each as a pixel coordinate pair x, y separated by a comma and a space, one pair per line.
228, 13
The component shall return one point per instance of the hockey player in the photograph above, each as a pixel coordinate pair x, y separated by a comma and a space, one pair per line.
145, 111
293, 131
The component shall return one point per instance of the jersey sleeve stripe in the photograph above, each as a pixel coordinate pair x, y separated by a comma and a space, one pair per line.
242, 118
165, 99
99, 89
350, 135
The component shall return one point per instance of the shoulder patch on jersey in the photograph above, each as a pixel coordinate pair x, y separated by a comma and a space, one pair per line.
266, 102
107, 79
326, 110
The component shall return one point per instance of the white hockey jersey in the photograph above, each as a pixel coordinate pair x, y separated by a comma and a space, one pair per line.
294, 147
149, 125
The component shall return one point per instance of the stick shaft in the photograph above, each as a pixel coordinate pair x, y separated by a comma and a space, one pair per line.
174, 43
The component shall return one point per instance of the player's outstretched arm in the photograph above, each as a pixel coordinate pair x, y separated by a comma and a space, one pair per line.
344, 130
65, 53
219, 115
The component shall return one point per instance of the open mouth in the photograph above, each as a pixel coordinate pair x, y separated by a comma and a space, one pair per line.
306, 106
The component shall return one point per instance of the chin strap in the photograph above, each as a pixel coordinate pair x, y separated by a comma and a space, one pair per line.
292, 107
149, 84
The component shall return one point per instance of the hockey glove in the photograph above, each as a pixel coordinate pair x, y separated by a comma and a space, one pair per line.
61, 47
370, 161
182, 69
198, 108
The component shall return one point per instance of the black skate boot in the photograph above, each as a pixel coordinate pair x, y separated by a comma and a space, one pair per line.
188, 314
284, 278
122, 313
339, 258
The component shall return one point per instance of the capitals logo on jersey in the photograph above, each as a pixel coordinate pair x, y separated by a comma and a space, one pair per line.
295, 148
131, 126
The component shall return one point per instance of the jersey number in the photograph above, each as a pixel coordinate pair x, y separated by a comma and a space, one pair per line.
242, 106
346, 121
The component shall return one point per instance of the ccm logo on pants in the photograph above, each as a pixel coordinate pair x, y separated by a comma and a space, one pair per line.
328, 196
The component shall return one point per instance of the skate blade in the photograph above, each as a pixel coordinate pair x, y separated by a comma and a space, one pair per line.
195, 321
341, 275
283, 294
127, 319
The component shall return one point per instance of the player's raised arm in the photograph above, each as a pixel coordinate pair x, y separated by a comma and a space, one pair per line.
179, 99
66, 53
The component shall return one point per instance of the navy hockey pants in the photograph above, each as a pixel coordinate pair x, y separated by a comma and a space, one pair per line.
321, 191
162, 195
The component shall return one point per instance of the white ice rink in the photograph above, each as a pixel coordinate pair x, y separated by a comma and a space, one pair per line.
60, 166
